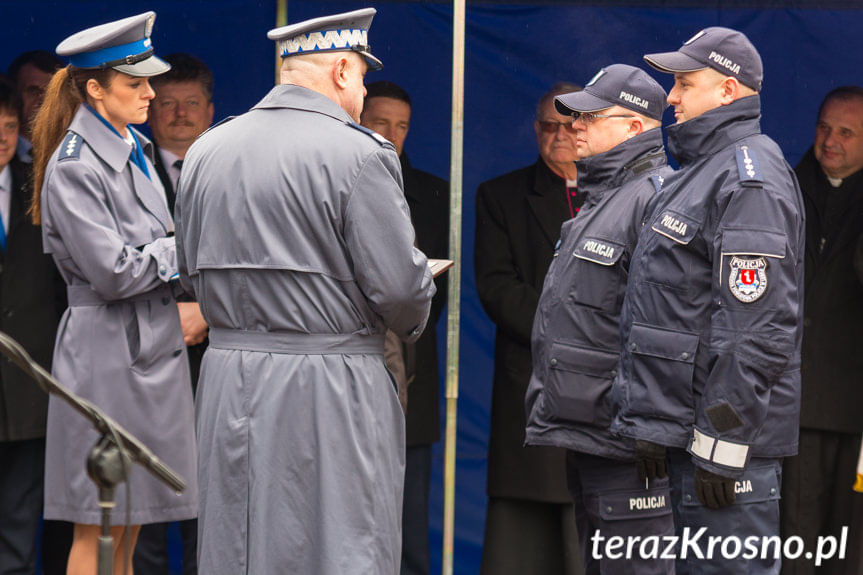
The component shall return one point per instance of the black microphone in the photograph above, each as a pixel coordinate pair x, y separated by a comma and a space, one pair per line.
129, 444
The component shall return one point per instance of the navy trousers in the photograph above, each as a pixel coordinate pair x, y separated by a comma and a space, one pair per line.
755, 513
610, 501
416, 557
21, 477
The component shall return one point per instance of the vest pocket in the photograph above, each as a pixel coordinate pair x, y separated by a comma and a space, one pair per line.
579, 381
663, 364
596, 277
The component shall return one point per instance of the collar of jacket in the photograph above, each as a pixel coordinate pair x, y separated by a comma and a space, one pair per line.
112, 149
714, 130
627, 160
812, 178
300, 98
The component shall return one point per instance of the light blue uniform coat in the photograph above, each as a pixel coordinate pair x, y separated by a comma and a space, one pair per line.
294, 234
119, 345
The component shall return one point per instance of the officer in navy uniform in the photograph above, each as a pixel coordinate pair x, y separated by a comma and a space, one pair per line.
106, 223
301, 253
576, 333
711, 322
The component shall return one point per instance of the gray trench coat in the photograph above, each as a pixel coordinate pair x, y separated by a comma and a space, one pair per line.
119, 345
294, 234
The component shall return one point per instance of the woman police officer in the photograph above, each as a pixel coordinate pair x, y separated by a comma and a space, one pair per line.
106, 223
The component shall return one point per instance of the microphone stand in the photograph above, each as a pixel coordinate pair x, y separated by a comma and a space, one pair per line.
107, 463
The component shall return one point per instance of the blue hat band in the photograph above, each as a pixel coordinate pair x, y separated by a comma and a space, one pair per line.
323, 41
97, 58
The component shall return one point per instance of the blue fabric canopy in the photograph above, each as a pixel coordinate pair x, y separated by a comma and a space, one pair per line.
514, 52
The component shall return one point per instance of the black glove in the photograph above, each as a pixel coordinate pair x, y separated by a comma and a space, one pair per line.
650, 460
713, 490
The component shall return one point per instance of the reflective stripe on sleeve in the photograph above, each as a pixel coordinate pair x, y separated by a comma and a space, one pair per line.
718, 451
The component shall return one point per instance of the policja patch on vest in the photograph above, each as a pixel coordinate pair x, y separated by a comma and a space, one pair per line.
748, 279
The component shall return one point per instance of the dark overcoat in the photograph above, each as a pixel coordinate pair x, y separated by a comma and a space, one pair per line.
832, 355
32, 298
518, 219
428, 200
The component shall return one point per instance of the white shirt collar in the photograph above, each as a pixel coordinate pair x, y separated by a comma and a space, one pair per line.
6, 196
168, 159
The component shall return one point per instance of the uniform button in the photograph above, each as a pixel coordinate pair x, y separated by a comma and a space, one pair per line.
609, 509
772, 491
9, 312
613, 373
553, 361
166, 300
688, 497
163, 270
684, 355
633, 346
807, 322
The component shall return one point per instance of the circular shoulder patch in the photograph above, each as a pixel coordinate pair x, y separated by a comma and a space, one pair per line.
748, 278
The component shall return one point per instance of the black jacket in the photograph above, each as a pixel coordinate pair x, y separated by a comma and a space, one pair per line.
428, 199
832, 397
711, 322
32, 299
518, 219
576, 335
195, 352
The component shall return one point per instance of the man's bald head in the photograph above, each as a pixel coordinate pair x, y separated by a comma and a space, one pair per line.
336, 75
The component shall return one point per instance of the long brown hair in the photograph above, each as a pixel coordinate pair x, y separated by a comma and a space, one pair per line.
66, 91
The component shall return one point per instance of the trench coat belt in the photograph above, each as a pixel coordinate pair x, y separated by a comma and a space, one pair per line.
84, 296
296, 343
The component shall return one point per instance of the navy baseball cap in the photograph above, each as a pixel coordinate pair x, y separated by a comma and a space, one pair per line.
123, 45
339, 32
617, 85
725, 50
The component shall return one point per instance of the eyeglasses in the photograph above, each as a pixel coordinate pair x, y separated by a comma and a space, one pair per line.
587, 118
550, 127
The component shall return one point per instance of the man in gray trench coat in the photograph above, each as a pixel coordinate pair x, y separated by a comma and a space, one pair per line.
294, 234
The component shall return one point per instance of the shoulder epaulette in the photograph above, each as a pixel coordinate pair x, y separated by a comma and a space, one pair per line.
217, 124
378, 138
657, 182
71, 147
747, 166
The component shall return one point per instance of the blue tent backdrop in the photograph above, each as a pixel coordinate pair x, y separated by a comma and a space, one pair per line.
514, 51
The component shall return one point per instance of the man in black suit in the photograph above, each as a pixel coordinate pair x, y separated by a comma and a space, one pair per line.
816, 484
30, 72
181, 111
387, 111
32, 299
530, 524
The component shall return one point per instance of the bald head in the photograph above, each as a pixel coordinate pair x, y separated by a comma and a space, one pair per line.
336, 75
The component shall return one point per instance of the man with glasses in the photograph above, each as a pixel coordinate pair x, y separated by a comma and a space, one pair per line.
709, 378
529, 523
576, 335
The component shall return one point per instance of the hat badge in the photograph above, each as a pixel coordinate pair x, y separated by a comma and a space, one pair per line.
148, 28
